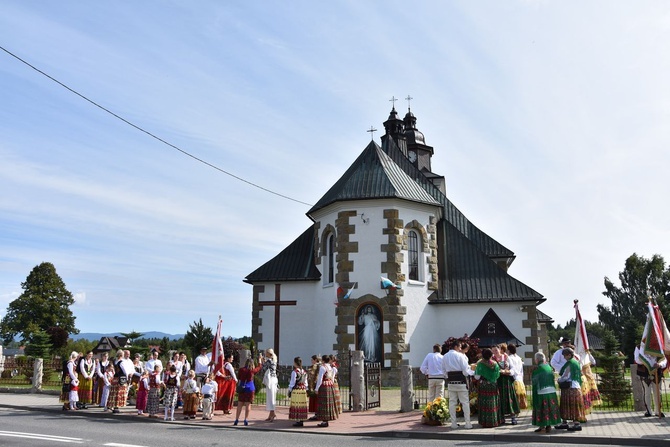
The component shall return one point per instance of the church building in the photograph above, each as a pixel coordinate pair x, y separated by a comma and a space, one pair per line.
390, 266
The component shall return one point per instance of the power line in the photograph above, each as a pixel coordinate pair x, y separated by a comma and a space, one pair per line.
149, 133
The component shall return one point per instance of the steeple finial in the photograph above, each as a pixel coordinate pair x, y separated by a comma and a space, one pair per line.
372, 131
393, 100
409, 98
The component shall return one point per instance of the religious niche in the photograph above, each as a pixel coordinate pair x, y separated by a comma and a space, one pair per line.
369, 333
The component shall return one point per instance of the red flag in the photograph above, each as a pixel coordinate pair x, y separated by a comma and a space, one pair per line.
217, 349
581, 340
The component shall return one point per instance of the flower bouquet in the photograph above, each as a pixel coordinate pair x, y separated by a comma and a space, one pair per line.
436, 412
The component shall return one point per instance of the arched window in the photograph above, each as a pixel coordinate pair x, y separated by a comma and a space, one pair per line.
330, 256
413, 240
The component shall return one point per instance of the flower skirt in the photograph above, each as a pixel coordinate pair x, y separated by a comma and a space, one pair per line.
545, 410
572, 405
488, 404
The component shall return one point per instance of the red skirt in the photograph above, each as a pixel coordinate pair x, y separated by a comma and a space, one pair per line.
226, 394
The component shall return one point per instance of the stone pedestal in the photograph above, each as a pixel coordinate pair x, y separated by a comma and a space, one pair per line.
357, 381
38, 367
406, 389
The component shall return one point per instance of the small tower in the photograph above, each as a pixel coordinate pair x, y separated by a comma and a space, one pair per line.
417, 151
395, 131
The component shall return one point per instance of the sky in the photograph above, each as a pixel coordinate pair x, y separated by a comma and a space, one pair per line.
549, 121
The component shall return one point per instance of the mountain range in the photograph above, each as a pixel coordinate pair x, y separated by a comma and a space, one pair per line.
94, 336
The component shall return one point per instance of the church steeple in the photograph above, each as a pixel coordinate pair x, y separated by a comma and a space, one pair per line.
418, 151
395, 129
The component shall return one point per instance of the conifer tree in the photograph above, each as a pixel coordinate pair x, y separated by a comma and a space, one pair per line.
613, 385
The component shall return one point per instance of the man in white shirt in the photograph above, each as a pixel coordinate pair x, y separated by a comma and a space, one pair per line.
202, 364
432, 367
456, 368
557, 361
152, 362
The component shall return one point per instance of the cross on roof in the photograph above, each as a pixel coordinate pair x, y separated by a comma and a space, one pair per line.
393, 100
409, 98
372, 131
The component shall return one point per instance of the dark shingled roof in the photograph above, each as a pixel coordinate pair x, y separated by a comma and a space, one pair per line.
471, 276
374, 175
294, 263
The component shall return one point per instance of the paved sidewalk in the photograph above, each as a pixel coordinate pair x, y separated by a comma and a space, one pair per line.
603, 427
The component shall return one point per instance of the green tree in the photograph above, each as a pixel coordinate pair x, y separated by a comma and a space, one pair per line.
640, 278
38, 345
131, 336
613, 385
196, 337
44, 303
59, 338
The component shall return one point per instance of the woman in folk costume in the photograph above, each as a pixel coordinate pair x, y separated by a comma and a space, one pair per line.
100, 369
226, 381
519, 386
142, 393
246, 396
298, 393
572, 403
590, 392
509, 405
312, 374
271, 383
118, 390
69, 375
545, 401
336, 385
190, 392
154, 395
327, 409
85, 376
487, 372
171, 391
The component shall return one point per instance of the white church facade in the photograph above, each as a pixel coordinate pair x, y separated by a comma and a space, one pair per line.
388, 217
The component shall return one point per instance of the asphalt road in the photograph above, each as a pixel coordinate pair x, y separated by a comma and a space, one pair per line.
33, 429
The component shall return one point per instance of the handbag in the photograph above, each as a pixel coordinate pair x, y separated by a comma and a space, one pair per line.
246, 387
565, 385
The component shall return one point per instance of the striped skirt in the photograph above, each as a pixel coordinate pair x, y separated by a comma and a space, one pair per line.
488, 405
327, 409
85, 390
117, 395
153, 401
545, 410
509, 403
298, 408
572, 405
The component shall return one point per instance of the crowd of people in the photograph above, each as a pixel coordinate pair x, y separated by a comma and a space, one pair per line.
204, 389
501, 392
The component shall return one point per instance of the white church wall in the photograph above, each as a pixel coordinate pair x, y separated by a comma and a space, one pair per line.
427, 325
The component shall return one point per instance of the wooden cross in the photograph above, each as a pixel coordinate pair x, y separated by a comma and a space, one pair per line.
276, 303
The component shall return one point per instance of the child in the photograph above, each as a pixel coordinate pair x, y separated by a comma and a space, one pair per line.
154, 396
171, 391
74, 394
142, 393
107, 377
298, 393
190, 395
208, 396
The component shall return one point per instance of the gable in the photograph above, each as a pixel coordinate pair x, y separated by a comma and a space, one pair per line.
492, 331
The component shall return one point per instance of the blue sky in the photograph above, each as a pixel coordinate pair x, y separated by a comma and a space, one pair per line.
549, 121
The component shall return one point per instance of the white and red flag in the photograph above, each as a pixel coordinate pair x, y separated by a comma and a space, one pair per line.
581, 340
656, 338
217, 349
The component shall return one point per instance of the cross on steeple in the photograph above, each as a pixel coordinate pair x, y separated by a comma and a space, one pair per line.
409, 98
393, 100
372, 131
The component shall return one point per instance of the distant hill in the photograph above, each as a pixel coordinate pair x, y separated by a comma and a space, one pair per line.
95, 336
